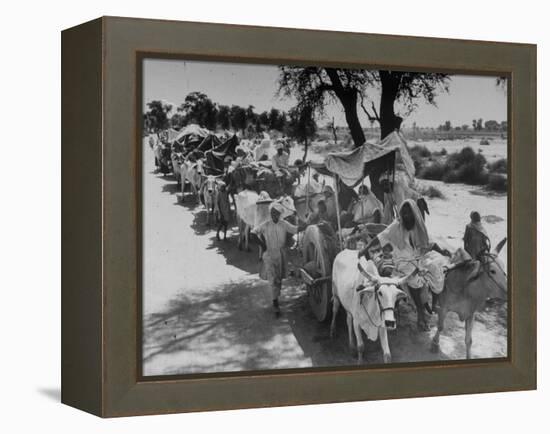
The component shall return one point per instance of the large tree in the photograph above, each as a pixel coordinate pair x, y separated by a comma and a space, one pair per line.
311, 86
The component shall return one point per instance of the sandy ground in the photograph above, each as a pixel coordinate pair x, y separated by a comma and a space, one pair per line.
206, 310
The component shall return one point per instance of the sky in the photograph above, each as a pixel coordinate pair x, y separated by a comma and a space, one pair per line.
469, 97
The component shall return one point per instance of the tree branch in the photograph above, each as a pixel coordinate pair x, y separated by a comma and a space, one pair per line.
375, 112
371, 118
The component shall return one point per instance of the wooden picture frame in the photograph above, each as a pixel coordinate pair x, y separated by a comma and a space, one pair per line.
101, 220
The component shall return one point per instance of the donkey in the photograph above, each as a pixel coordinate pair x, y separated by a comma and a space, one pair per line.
466, 289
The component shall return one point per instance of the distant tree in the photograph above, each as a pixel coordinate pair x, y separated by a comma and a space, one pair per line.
238, 118
177, 121
492, 125
263, 120
198, 108
504, 125
477, 124
157, 116
276, 120
223, 117
302, 126
447, 126
258, 126
251, 116
465, 127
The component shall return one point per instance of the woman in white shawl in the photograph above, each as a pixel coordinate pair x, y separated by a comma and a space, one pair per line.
408, 236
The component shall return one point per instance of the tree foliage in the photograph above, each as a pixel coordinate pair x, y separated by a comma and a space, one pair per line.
302, 126
223, 117
313, 87
156, 118
238, 118
198, 108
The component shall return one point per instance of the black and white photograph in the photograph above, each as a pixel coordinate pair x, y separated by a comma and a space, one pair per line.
320, 217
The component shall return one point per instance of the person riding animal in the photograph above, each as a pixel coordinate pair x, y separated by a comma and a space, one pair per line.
408, 237
476, 240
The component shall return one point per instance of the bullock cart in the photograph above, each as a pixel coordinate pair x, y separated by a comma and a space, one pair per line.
319, 244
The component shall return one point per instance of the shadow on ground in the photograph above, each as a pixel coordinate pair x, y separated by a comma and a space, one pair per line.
406, 343
229, 328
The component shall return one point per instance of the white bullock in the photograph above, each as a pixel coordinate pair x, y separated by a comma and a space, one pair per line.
192, 172
369, 300
209, 191
177, 161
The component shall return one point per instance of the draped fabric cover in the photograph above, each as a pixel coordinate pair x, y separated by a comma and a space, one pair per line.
352, 166
191, 130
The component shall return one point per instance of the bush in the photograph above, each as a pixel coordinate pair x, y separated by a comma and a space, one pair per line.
497, 182
420, 151
419, 154
499, 166
464, 157
451, 176
465, 166
432, 192
434, 171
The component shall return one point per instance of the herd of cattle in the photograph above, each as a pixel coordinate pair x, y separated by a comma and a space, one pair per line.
201, 163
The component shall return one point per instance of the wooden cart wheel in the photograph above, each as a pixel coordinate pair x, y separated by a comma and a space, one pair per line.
314, 251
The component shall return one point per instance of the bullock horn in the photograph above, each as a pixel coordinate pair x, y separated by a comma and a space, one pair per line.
500, 245
368, 275
404, 279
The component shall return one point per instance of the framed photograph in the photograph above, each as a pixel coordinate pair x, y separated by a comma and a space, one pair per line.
261, 217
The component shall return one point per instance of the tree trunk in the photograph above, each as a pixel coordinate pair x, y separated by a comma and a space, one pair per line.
348, 98
306, 147
334, 132
389, 122
349, 101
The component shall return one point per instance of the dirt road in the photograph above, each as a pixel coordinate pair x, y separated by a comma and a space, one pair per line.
206, 310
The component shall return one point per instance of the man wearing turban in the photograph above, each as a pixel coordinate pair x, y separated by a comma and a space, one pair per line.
279, 161
272, 235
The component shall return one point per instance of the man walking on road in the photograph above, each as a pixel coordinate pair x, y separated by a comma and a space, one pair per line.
274, 267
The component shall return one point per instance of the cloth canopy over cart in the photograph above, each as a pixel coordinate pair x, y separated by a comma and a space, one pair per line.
351, 168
